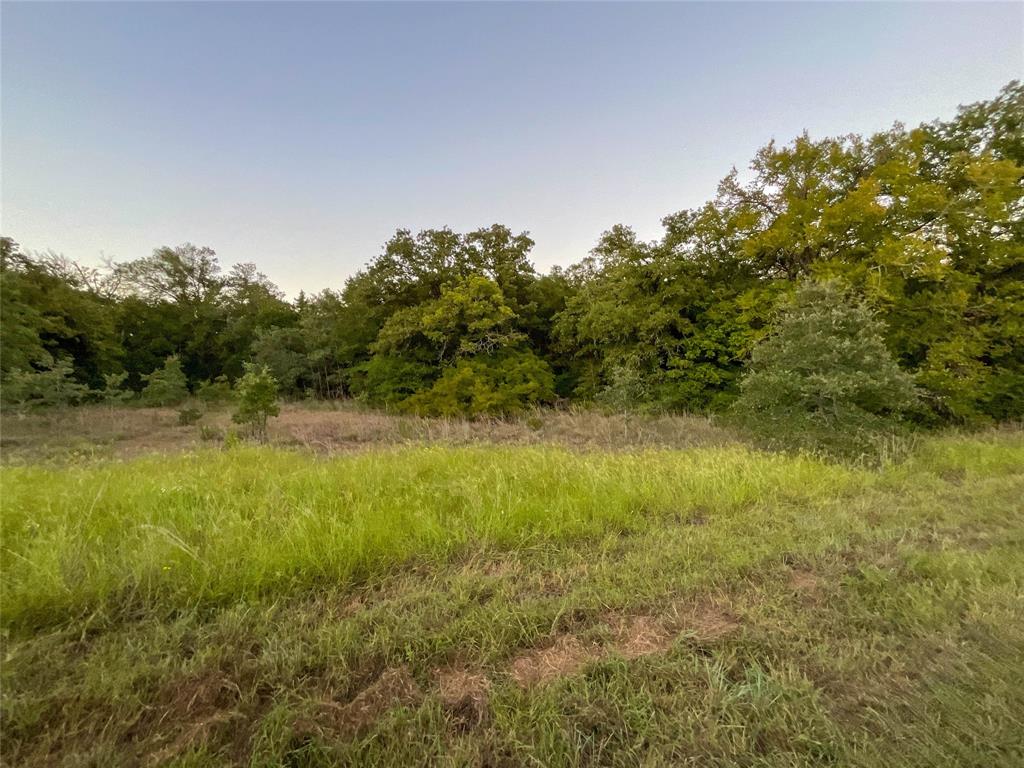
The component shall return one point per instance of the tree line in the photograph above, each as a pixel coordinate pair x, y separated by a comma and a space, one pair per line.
924, 226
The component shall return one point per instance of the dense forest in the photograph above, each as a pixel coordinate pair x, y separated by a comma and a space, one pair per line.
924, 225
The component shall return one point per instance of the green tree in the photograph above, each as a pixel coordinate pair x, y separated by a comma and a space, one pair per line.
51, 385
114, 391
177, 306
257, 399
20, 321
166, 385
491, 385
461, 353
253, 306
215, 392
52, 307
283, 351
823, 379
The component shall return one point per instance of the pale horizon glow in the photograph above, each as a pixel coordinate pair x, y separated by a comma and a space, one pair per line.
300, 136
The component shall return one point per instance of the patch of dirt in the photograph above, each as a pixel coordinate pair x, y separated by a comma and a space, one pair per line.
697, 516
563, 657
395, 687
465, 696
637, 636
705, 622
552, 584
805, 581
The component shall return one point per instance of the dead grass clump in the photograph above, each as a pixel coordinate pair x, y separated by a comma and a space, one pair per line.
394, 688
565, 656
804, 582
704, 622
464, 695
190, 711
637, 636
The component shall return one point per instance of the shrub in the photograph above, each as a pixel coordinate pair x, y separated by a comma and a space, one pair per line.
386, 379
231, 439
823, 380
53, 385
257, 399
114, 391
166, 385
216, 392
626, 390
189, 415
488, 385
208, 433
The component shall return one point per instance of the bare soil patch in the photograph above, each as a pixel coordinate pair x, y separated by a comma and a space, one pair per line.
565, 656
705, 622
804, 582
637, 636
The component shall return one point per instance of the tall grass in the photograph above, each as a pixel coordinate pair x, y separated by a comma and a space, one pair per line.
163, 533
200, 609
221, 524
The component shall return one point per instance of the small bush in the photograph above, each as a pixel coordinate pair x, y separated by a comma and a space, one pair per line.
231, 439
488, 386
208, 433
824, 381
166, 385
216, 392
53, 385
114, 392
257, 400
626, 390
189, 415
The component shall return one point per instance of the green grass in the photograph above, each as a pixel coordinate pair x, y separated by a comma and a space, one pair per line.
250, 606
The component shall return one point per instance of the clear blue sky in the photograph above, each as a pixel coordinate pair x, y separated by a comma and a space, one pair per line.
300, 136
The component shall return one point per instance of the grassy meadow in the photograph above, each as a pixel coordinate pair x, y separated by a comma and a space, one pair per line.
572, 589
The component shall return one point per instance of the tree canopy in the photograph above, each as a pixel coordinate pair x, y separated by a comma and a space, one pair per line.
924, 225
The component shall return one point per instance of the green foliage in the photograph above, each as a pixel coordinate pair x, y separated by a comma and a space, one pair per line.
387, 379
741, 639
51, 307
924, 224
470, 317
283, 351
20, 318
189, 415
257, 399
114, 391
51, 385
823, 379
626, 390
166, 385
492, 385
216, 392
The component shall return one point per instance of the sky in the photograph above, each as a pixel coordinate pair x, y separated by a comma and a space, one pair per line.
300, 136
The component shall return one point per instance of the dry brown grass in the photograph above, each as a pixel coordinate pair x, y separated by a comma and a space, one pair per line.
565, 655
334, 428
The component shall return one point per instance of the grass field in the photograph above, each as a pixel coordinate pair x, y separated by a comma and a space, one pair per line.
440, 600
